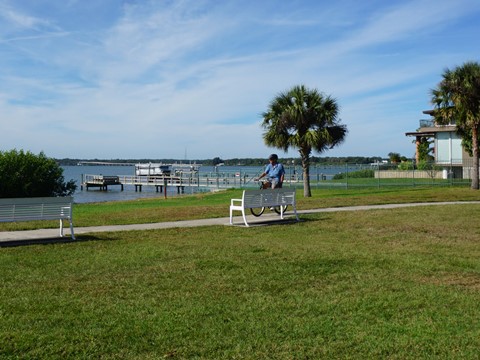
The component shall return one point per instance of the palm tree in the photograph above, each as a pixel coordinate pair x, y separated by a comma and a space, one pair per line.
457, 97
305, 119
394, 157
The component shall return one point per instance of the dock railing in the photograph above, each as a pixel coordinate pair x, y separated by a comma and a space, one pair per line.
210, 180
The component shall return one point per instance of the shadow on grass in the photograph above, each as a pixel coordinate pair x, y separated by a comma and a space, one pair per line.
96, 237
49, 241
270, 222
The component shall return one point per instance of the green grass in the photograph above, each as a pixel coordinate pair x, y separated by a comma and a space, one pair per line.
399, 284
211, 205
386, 182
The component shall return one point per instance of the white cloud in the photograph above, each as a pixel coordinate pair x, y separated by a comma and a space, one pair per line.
195, 74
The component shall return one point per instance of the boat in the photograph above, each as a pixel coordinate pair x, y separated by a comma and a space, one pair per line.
152, 169
185, 168
160, 169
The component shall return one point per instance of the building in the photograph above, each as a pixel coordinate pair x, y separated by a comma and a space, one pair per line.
448, 151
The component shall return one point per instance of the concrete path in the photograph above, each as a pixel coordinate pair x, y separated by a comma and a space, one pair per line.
17, 237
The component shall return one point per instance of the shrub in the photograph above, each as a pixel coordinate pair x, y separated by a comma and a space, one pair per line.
405, 165
427, 165
24, 174
359, 174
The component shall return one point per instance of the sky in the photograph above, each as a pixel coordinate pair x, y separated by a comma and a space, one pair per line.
189, 79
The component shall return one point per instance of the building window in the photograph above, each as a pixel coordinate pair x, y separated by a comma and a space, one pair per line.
448, 148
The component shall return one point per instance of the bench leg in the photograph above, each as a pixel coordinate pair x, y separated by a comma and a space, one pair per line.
72, 235
71, 230
295, 211
61, 228
244, 217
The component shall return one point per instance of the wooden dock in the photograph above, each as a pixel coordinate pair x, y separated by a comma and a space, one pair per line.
161, 183
101, 181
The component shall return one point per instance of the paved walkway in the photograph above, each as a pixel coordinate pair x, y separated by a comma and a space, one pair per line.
17, 237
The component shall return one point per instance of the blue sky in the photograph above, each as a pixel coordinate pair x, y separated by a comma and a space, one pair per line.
131, 79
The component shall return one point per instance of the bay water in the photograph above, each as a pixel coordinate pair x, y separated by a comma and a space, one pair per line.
115, 193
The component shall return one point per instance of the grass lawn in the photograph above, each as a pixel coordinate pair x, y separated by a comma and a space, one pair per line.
214, 205
399, 284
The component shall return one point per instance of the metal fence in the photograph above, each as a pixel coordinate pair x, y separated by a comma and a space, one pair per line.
358, 175
386, 174
321, 176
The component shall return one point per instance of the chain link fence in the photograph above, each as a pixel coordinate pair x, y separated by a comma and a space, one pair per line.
387, 174
350, 175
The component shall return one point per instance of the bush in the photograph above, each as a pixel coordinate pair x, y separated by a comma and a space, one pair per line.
405, 165
427, 165
23, 174
359, 174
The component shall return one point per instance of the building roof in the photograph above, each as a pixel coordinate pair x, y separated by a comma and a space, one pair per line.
431, 131
421, 133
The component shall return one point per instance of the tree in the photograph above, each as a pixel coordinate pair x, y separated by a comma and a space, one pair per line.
457, 99
425, 150
305, 119
216, 161
23, 174
466, 136
394, 157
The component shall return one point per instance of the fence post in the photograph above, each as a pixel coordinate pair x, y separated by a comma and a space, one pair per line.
346, 175
378, 175
413, 174
451, 172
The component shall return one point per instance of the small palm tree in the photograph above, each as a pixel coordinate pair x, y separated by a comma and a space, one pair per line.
394, 157
305, 119
457, 98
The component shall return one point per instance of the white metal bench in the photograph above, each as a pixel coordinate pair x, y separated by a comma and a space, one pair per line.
38, 208
263, 198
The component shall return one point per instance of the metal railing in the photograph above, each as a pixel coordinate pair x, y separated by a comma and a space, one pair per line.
385, 175
427, 123
321, 176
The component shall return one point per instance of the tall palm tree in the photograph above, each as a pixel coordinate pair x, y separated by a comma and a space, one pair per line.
457, 97
305, 119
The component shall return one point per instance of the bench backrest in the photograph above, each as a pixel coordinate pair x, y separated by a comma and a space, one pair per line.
268, 197
39, 208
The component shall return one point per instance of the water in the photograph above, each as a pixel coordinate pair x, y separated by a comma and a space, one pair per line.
114, 193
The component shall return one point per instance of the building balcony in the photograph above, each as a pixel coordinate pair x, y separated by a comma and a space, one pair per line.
427, 123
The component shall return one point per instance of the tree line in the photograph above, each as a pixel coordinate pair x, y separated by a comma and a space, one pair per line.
315, 160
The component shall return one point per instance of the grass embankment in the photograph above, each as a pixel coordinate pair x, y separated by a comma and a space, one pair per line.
402, 283
213, 205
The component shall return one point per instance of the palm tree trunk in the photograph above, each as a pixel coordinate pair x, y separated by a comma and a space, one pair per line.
476, 169
306, 174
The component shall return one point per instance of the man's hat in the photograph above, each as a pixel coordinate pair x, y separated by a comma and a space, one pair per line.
273, 157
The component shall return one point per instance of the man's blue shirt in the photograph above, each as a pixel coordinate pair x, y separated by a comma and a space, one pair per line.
274, 171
